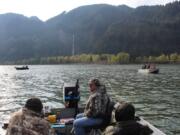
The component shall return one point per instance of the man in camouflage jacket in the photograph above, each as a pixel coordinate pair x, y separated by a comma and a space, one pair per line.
96, 104
95, 109
28, 121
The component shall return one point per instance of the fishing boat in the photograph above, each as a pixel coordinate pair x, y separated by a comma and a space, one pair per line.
61, 119
149, 71
149, 68
22, 68
64, 126
65, 116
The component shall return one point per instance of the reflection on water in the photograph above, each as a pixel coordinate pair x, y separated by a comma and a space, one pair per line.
156, 97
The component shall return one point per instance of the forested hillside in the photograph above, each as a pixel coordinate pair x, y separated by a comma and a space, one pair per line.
97, 29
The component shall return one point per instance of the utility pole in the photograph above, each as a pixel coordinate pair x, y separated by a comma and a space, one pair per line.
73, 47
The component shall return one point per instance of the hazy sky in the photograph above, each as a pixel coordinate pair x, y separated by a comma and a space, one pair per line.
45, 9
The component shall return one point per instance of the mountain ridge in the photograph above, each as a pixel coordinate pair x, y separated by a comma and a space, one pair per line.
99, 28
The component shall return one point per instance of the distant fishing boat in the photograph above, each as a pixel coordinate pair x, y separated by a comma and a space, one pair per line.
151, 71
149, 68
22, 68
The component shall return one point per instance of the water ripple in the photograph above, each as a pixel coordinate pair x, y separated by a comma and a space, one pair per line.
156, 97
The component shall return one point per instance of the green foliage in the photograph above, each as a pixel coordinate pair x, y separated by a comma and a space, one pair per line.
151, 59
174, 57
120, 58
114, 59
123, 57
95, 58
162, 58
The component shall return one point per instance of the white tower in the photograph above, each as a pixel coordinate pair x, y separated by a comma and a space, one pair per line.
73, 47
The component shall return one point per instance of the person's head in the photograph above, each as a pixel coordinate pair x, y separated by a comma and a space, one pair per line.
94, 84
125, 112
34, 104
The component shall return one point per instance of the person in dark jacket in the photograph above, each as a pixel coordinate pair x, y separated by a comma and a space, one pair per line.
28, 121
126, 124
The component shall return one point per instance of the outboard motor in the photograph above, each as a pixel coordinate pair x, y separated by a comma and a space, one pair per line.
71, 95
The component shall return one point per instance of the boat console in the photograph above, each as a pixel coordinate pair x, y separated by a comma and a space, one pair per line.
71, 95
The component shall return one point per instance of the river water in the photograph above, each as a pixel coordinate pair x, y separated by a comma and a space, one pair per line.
155, 97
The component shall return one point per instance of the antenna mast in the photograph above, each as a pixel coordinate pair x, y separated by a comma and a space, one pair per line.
73, 50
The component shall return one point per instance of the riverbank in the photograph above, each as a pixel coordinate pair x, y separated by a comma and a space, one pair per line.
120, 58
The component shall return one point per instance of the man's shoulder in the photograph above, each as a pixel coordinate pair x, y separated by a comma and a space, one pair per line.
17, 114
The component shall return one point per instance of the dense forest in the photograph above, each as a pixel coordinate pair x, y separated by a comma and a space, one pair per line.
142, 32
120, 58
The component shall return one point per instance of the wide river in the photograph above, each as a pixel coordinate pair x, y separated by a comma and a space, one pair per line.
155, 97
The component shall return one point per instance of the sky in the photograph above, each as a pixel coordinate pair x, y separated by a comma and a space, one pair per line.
45, 9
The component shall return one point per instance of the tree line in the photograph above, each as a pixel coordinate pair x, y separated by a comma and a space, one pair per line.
120, 58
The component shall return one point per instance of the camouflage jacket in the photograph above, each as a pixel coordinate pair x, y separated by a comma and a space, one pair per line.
128, 128
97, 103
27, 122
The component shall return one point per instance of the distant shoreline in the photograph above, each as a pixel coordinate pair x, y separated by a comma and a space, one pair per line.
102, 59
3, 64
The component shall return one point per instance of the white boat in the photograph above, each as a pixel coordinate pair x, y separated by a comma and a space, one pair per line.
65, 129
149, 68
69, 113
151, 71
155, 130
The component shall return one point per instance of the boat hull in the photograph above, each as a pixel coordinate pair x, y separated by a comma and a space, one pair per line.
21, 68
149, 71
66, 128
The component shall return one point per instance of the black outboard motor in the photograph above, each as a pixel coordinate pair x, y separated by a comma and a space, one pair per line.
71, 95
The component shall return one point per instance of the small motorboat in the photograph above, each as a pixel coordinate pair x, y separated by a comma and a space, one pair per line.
151, 71
22, 68
149, 68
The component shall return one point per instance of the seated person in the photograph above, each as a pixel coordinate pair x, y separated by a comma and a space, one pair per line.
126, 123
144, 66
28, 121
153, 66
148, 66
95, 109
